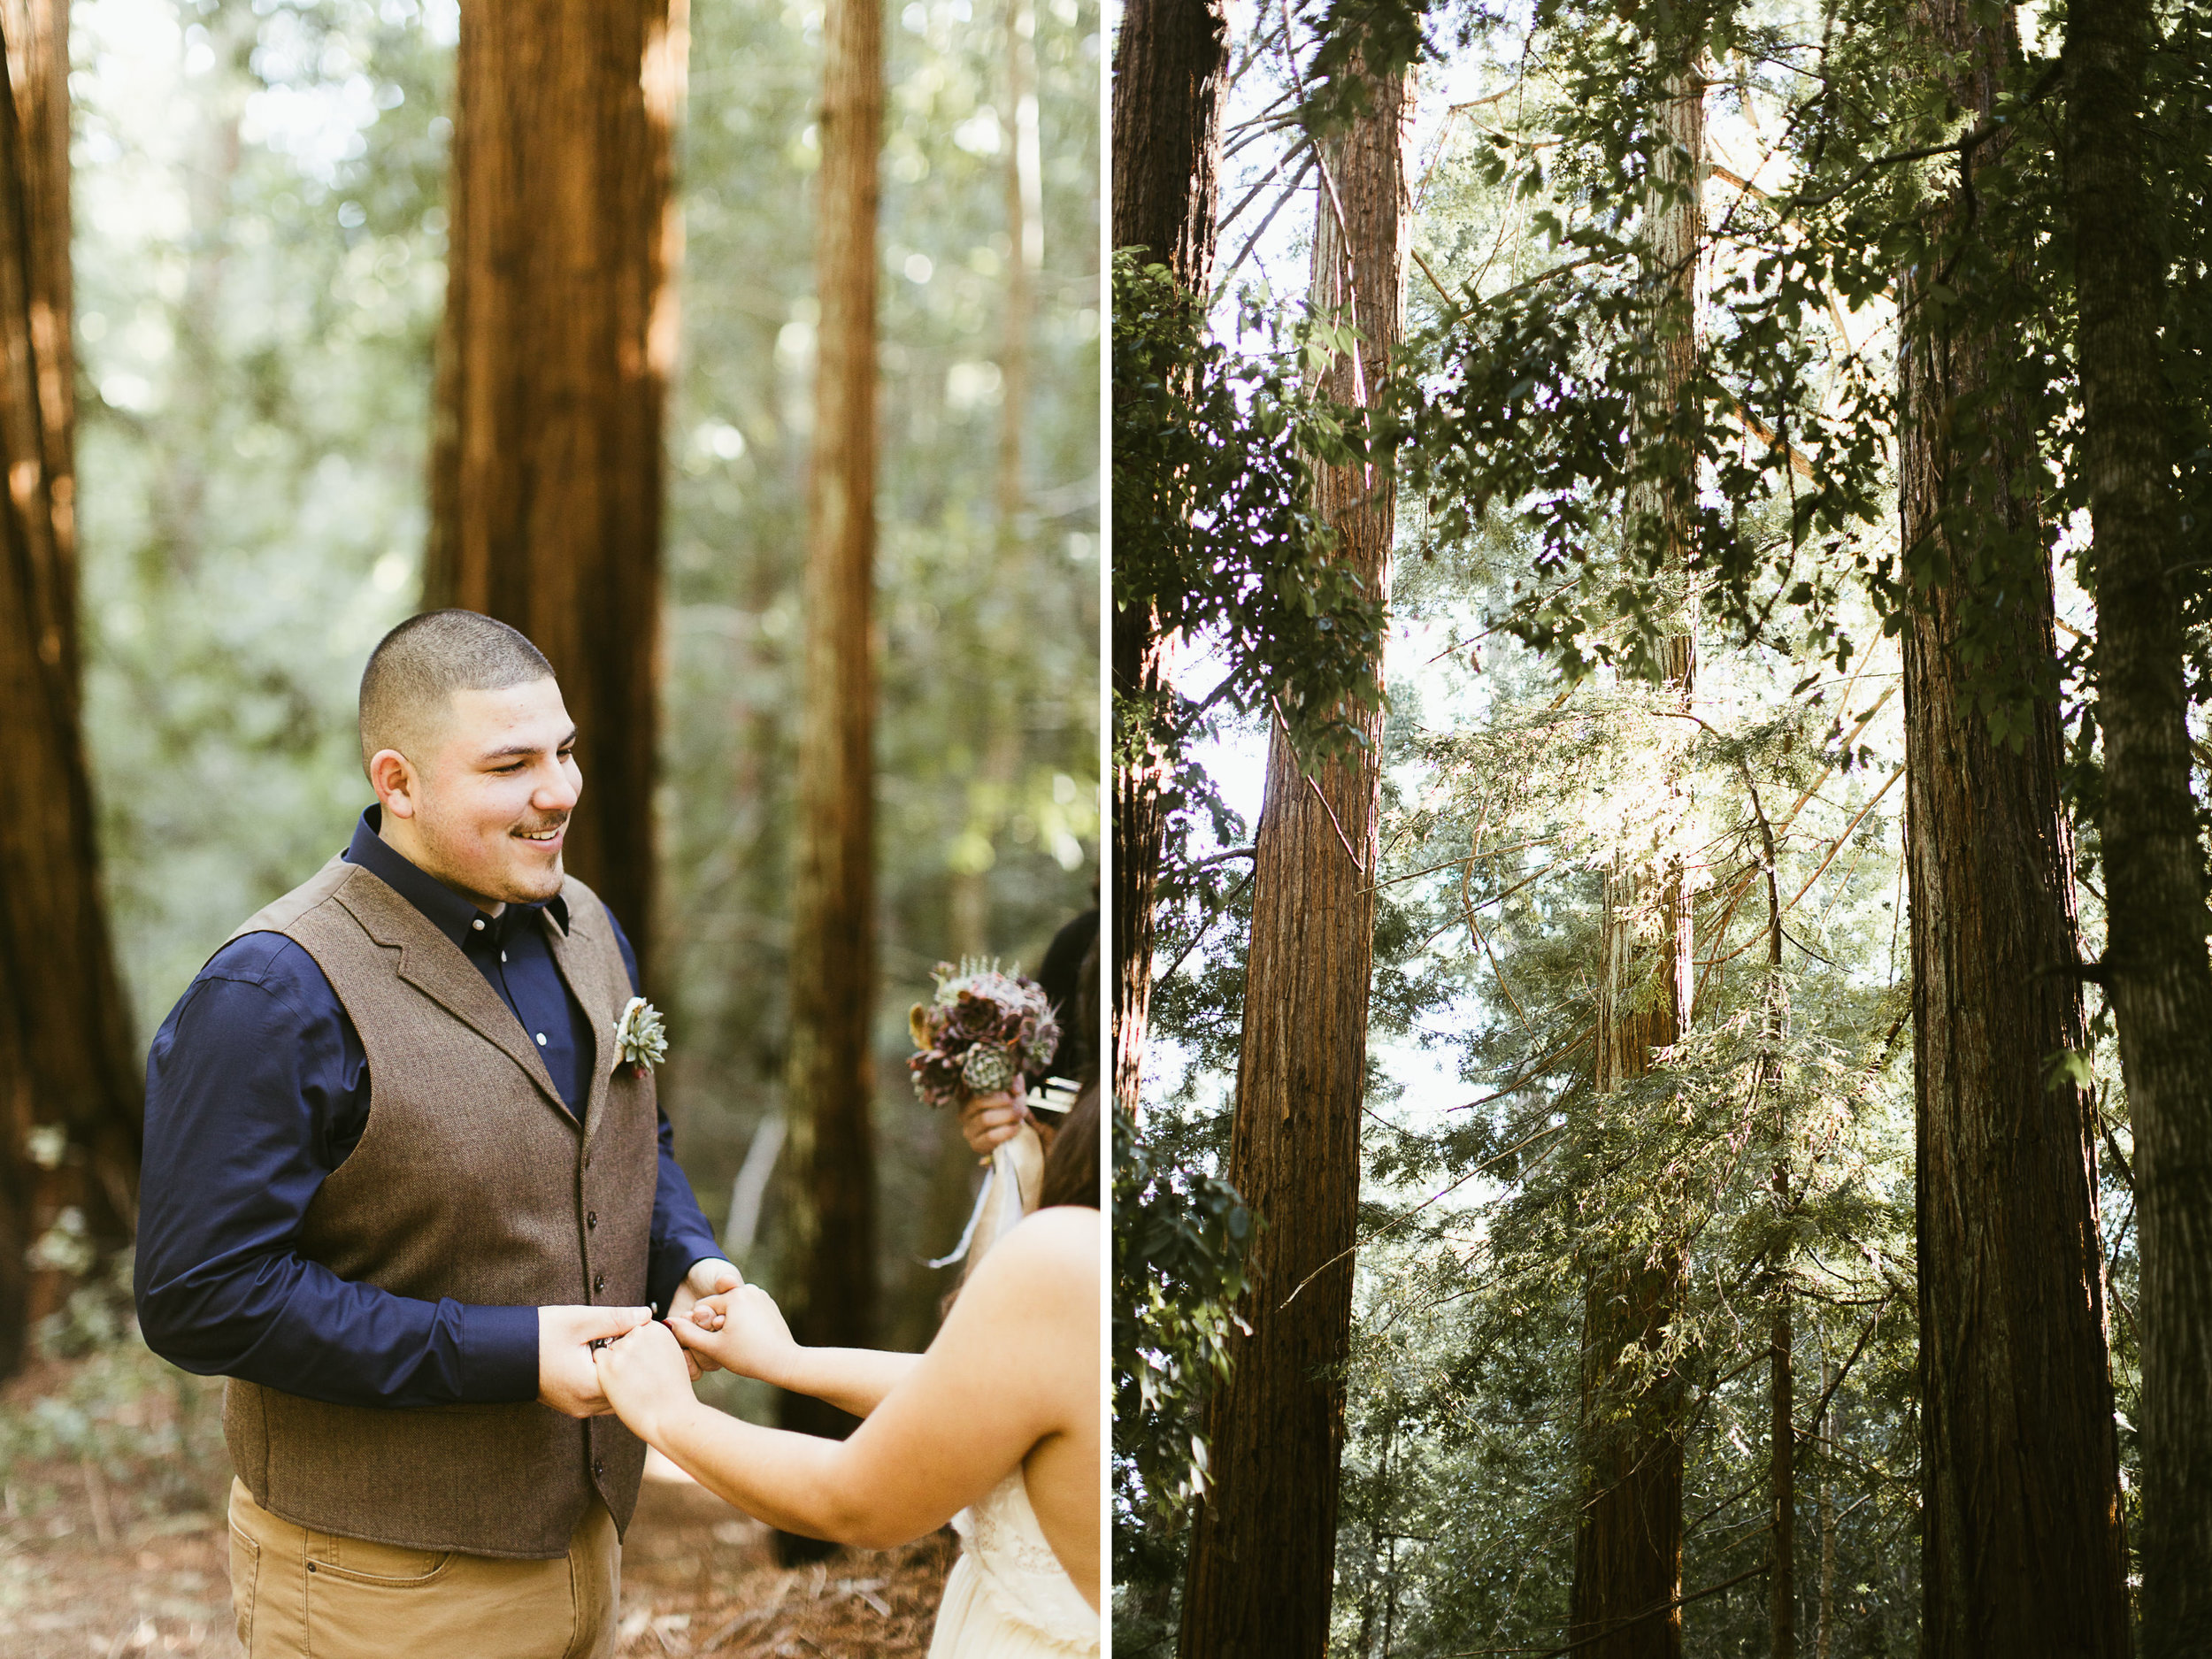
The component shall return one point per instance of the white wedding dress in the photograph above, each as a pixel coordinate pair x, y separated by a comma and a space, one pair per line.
1009, 1597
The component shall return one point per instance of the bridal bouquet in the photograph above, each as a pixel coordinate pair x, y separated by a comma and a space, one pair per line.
981, 1030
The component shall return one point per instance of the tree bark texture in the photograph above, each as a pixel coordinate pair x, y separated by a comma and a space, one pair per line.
1169, 65
1628, 1537
558, 339
1001, 728
1824, 1637
830, 1239
1782, 1480
1623, 1602
2157, 971
2021, 1544
69, 1082
1263, 1541
37, 32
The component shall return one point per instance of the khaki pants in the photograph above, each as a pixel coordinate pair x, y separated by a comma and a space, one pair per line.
299, 1594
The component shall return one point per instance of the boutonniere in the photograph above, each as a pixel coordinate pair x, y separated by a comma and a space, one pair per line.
639, 1039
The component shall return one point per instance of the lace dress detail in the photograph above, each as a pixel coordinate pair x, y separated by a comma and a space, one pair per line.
1009, 1597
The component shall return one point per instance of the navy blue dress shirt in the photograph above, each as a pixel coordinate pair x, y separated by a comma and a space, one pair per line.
257, 1087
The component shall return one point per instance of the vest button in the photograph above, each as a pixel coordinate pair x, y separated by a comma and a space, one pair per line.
598, 1468
591, 1218
598, 1284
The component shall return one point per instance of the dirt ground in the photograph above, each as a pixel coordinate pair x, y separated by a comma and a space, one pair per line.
119, 1555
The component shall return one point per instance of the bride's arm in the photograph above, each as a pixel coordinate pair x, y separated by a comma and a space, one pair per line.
743, 1331
1016, 1362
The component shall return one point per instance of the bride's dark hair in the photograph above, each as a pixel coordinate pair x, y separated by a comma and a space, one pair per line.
1072, 1168
1072, 1174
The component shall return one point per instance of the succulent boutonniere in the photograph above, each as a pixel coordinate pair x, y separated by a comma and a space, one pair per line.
639, 1039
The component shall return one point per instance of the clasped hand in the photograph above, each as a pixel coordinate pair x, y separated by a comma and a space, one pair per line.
569, 1378
643, 1373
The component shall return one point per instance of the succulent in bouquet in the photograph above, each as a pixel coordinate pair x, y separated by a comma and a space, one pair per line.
981, 1030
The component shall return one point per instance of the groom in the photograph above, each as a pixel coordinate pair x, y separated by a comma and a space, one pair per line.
397, 1180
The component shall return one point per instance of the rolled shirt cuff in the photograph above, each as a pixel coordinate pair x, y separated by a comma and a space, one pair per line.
498, 1354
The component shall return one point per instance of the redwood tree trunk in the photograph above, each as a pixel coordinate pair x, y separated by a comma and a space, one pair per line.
2021, 1539
2157, 971
559, 335
68, 1063
1264, 1542
1001, 728
1168, 70
830, 1242
1622, 1603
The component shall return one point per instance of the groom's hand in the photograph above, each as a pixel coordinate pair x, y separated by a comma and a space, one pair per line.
568, 1380
712, 1277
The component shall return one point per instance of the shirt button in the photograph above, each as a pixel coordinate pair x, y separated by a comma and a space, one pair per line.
541, 1040
598, 1284
502, 955
478, 923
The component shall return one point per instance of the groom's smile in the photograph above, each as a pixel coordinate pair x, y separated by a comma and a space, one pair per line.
480, 798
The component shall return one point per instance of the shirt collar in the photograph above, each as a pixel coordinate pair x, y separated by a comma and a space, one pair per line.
452, 914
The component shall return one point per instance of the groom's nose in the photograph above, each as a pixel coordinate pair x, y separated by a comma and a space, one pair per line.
554, 792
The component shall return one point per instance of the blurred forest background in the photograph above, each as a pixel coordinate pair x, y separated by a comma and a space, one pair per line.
261, 226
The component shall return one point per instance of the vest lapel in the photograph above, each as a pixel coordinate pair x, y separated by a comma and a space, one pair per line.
434, 965
590, 991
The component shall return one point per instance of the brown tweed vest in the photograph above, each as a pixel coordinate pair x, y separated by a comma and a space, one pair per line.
470, 1181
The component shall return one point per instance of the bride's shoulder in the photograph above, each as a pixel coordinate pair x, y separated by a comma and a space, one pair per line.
1048, 1251
1073, 1232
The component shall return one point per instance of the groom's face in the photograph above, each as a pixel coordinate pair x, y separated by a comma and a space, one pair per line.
487, 809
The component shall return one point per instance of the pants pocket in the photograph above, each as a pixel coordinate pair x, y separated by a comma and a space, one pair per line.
245, 1569
413, 1602
385, 1566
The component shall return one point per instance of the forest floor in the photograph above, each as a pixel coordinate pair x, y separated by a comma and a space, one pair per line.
112, 1542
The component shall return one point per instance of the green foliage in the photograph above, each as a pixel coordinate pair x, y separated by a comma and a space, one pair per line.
1542, 407
1214, 534
259, 276
154, 1433
1180, 1238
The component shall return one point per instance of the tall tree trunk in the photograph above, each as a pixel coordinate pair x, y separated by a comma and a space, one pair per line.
991, 790
1830, 1430
1168, 71
37, 32
1782, 1473
831, 1239
2157, 971
1264, 1544
559, 336
70, 1085
1628, 1539
1781, 1380
2022, 1552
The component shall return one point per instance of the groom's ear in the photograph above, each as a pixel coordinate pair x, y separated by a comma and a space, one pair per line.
393, 778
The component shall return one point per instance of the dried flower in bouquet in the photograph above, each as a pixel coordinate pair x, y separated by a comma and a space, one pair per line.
983, 1029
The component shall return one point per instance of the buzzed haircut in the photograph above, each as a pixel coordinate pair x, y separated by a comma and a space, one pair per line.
415, 670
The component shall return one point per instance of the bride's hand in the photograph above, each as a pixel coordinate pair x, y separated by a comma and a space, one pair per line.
987, 1120
645, 1377
742, 1331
